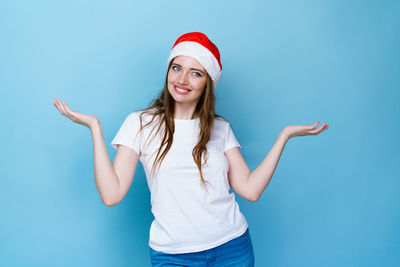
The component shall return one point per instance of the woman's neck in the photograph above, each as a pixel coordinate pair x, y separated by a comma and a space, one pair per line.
185, 112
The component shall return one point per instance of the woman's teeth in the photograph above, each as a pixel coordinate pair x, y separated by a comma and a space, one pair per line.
182, 91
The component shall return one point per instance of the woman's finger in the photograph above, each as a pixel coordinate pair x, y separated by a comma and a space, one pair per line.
57, 103
70, 114
70, 111
320, 129
314, 125
63, 110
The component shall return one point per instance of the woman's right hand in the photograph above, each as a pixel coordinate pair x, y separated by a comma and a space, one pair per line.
85, 119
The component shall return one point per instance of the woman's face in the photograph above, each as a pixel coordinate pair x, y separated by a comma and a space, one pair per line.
187, 80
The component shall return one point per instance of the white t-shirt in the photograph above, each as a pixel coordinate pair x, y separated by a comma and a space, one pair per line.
187, 218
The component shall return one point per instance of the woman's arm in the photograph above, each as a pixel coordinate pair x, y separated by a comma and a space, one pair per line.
247, 184
107, 182
250, 185
259, 178
112, 181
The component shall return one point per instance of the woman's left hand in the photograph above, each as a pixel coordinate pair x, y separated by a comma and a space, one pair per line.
302, 130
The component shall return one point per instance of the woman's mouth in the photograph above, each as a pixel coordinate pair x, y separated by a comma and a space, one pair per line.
180, 90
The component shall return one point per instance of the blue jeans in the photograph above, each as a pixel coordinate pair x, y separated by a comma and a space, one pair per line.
237, 252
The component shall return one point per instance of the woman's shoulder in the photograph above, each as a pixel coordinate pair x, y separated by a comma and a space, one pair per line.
221, 124
145, 113
219, 120
140, 115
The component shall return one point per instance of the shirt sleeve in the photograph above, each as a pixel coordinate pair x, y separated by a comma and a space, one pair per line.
230, 139
128, 133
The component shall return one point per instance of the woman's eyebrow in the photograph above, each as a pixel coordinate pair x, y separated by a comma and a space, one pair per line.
190, 68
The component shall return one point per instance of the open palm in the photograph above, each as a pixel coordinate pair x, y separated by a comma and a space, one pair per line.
80, 118
302, 130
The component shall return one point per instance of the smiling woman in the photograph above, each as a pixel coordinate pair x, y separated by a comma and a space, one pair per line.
191, 158
186, 83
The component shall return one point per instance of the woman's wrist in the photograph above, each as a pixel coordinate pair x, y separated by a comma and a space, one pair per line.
95, 125
284, 134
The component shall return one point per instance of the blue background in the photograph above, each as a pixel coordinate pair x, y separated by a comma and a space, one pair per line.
334, 198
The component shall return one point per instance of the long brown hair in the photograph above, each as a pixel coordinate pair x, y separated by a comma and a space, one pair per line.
162, 108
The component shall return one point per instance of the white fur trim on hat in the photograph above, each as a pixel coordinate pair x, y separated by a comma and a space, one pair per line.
201, 54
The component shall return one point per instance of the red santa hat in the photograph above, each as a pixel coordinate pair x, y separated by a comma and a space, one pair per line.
198, 46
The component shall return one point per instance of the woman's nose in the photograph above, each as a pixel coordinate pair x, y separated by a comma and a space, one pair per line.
183, 78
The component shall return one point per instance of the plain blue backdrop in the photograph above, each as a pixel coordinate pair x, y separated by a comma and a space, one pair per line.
334, 198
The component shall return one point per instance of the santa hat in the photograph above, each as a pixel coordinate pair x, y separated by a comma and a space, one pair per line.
198, 46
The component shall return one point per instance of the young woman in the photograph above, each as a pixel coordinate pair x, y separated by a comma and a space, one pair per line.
191, 158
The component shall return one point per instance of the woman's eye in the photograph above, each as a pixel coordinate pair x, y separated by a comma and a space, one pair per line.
177, 68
